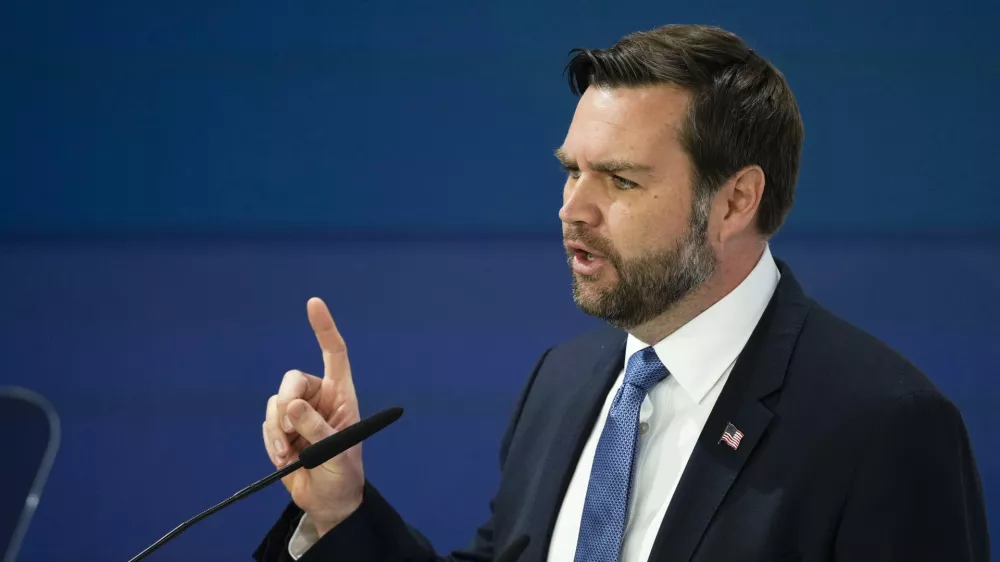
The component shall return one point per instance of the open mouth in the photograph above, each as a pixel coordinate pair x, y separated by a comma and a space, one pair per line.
584, 261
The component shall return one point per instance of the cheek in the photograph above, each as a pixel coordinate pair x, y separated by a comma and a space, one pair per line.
631, 230
637, 230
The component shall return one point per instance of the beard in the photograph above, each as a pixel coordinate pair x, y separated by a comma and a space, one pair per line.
652, 284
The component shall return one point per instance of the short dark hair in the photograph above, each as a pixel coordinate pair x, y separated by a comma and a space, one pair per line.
742, 111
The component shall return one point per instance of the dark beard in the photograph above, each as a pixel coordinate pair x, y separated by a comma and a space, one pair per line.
652, 284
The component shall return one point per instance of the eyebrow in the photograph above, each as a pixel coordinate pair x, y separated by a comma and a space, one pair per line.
611, 166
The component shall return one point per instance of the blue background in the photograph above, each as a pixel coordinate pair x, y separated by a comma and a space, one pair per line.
177, 179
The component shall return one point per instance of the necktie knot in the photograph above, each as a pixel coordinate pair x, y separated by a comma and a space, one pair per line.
645, 370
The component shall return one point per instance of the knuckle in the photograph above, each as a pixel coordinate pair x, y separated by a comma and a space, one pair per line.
317, 427
294, 385
336, 353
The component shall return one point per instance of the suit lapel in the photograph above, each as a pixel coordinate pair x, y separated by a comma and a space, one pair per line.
580, 410
714, 464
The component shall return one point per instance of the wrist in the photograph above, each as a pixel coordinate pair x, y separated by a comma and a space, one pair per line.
327, 524
324, 527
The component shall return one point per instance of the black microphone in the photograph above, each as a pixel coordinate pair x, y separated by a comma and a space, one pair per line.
310, 457
513, 550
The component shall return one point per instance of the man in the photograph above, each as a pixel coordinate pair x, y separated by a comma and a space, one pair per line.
723, 415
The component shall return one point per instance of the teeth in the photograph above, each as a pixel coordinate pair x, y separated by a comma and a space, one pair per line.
590, 257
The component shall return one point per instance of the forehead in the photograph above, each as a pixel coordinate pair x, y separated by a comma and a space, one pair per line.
640, 123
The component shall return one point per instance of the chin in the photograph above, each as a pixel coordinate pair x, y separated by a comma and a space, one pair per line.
591, 284
589, 289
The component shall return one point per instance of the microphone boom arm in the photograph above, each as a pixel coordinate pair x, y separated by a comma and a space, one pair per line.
315, 455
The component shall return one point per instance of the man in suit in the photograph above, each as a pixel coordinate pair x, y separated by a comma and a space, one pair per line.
722, 415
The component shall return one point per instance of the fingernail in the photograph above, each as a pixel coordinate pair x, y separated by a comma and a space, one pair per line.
287, 424
279, 447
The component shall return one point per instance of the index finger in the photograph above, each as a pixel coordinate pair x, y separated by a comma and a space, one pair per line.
329, 338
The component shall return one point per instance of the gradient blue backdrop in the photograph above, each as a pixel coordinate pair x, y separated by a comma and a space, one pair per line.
177, 179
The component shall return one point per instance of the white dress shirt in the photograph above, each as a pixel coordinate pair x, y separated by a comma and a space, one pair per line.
699, 357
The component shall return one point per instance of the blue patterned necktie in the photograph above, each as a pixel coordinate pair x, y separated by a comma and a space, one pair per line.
606, 507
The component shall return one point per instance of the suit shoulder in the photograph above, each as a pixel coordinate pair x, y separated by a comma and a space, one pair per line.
860, 362
588, 346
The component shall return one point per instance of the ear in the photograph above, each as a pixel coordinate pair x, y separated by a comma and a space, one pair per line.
740, 198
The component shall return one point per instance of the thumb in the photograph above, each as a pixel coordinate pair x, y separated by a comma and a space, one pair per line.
307, 421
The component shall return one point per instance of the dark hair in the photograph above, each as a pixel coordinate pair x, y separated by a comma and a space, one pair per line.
742, 111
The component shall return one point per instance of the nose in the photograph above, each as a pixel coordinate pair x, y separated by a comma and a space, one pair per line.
580, 203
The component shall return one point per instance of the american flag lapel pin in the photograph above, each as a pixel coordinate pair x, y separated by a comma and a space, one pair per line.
731, 436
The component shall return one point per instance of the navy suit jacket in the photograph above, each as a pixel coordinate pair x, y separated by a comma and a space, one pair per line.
849, 454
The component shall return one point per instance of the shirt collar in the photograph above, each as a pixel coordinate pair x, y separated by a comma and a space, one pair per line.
699, 352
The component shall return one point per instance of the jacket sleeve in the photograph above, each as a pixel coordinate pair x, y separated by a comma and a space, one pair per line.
916, 492
377, 533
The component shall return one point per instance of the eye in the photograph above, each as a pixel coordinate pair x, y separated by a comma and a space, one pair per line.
572, 172
623, 183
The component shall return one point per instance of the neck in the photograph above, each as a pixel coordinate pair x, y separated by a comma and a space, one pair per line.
732, 270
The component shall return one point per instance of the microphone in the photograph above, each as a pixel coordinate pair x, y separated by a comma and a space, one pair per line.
310, 457
513, 550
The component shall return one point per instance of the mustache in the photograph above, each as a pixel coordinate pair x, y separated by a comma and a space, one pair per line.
592, 240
